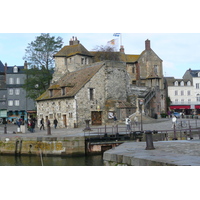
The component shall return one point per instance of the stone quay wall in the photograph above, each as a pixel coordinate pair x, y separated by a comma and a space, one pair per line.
48, 146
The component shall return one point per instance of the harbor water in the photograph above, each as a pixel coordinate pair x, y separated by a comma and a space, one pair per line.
10, 160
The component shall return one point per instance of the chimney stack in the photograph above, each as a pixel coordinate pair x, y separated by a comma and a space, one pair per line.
122, 49
147, 45
73, 41
25, 64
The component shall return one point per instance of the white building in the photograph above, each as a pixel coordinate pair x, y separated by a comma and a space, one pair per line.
185, 93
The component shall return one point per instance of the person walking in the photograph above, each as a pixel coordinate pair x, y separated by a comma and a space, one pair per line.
55, 122
42, 124
128, 123
173, 121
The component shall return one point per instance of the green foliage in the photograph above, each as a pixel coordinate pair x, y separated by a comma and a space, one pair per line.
40, 52
37, 81
168, 101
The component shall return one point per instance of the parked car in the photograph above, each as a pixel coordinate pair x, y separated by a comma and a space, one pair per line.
177, 115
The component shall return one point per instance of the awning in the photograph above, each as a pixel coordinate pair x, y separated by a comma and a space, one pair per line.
180, 107
197, 106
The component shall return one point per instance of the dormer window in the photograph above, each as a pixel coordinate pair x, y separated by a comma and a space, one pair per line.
182, 83
15, 69
63, 91
188, 83
51, 93
198, 74
176, 83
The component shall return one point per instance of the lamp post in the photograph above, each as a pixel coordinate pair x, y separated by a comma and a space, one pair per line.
141, 102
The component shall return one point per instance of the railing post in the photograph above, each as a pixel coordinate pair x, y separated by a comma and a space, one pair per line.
191, 137
149, 140
175, 138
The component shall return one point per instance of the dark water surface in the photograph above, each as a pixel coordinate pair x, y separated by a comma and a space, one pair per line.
93, 160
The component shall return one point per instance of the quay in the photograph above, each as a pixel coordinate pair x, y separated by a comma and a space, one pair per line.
69, 142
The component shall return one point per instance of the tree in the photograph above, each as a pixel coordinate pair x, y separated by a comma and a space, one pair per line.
37, 81
39, 55
106, 53
40, 52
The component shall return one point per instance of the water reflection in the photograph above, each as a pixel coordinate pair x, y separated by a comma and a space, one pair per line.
8, 160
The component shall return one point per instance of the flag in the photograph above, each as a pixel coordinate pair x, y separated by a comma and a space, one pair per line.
116, 34
111, 42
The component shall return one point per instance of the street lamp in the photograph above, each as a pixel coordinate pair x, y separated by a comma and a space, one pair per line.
141, 102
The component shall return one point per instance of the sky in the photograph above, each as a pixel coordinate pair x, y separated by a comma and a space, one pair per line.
179, 51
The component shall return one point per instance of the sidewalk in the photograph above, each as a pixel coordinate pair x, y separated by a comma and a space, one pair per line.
156, 124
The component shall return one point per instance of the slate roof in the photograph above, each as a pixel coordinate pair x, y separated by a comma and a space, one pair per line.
194, 73
71, 50
20, 70
73, 81
1, 67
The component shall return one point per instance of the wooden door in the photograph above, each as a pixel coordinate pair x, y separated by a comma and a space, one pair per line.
65, 120
96, 118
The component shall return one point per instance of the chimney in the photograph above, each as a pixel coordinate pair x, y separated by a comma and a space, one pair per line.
73, 41
122, 49
25, 64
147, 45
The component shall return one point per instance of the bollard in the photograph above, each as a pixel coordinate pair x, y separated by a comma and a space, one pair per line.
5, 129
149, 140
48, 130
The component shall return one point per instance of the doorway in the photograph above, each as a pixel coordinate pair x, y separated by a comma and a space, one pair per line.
96, 117
65, 120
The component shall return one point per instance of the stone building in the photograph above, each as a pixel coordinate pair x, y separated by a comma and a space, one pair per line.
82, 89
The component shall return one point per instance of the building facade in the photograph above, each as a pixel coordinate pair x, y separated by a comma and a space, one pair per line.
82, 89
14, 103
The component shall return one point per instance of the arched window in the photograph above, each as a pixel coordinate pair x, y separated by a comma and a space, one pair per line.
188, 83
182, 83
15, 69
176, 83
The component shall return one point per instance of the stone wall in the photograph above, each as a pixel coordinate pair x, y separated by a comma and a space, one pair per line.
63, 146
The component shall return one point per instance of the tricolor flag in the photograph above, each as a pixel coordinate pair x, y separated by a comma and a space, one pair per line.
112, 42
116, 34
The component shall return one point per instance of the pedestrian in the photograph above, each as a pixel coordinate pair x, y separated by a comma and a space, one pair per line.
115, 120
55, 122
128, 123
42, 124
32, 126
173, 121
136, 120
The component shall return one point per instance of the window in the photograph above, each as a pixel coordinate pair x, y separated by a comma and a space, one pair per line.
189, 100
197, 85
11, 81
17, 91
198, 97
182, 92
176, 100
18, 80
10, 102
51, 93
182, 101
91, 94
82, 61
10, 91
16, 102
133, 70
188, 83
63, 90
198, 74
176, 92
15, 69
156, 69
182, 83
188, 92
176, 83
